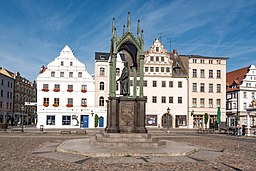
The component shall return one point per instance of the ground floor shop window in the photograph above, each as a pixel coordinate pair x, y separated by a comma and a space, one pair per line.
181, 120
66, 120
50, 120
151, 120
198, 121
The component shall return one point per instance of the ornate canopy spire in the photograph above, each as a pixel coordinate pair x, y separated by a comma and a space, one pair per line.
138, 29
113, 28
129, 22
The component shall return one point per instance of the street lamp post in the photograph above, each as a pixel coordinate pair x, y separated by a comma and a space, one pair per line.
22, 113
168, 120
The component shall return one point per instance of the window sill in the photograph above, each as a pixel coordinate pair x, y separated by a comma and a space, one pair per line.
83, 91
69, 90
45, 89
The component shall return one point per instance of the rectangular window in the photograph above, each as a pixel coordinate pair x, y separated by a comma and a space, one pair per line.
245, 95
84, 102
210, 103
71, 63
157, 58
154, 84
218, 88
218, 74
181, 120
52, 74
210, 61
245, 105
66, 120
210, 88
118, 71
56, 102
70, 101
70, 74
157, 69
154, 100
167, 69
194, 74
46, 101
253, 95
202, 61
61, 63
194, 60
194, 87
179, 99
84, 87
145, 83
163, 99
170, 99
80, 75
162, 69
202, 75
218, 102
151, 69
162, 58
163, 84
201, 102
146, 69
50, 120
45, 86
180, 84
70, 87
61, 74
2, 93
151, 58
170, 83
210, 73
201, 87
194, 104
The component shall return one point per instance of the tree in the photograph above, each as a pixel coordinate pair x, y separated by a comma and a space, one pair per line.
206, 119
96, 120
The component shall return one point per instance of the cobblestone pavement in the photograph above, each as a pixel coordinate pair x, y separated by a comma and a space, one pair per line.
33, 151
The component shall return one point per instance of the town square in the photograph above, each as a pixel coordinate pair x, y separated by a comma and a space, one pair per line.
136, 85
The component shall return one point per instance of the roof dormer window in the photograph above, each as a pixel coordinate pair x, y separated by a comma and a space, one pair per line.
157, 49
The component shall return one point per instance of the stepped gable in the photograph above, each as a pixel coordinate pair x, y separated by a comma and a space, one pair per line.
235, 78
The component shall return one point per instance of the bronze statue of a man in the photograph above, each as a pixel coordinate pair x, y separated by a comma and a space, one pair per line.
125, 80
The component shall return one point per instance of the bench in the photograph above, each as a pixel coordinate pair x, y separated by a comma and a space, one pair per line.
17, 130
81, 132
3, 130
65, 132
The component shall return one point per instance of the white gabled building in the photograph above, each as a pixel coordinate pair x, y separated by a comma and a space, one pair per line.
241, 91
165, 85
65, 93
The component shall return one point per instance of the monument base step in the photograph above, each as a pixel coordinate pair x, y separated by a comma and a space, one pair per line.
125, 140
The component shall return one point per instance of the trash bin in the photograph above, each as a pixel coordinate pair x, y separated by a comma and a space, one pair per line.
41, 128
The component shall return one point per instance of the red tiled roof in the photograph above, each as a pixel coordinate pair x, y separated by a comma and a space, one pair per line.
236, 76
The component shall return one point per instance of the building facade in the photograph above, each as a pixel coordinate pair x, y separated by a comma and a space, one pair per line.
241, 91
65, 93
207, 90
165, 85
6, 96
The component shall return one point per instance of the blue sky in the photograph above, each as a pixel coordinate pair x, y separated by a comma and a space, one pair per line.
33, 32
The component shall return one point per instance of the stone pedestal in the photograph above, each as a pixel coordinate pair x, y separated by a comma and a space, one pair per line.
126, 115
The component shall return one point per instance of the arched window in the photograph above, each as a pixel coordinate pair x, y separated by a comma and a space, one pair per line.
101, 85
102, 71
101, 101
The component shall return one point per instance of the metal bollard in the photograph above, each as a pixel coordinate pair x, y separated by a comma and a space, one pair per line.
41, 128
